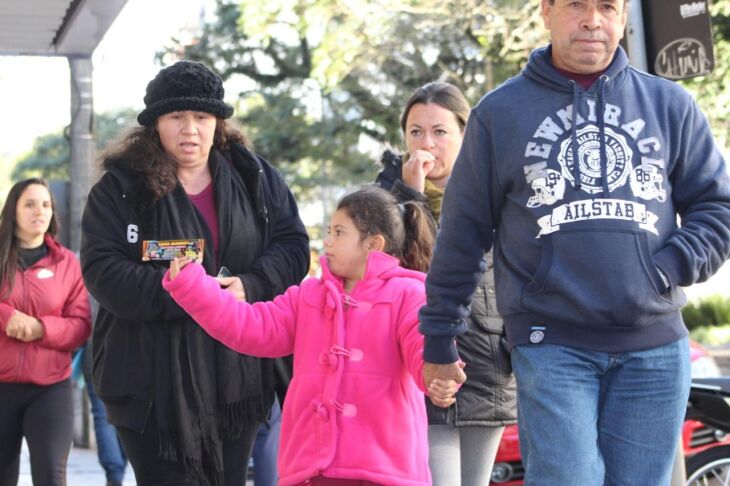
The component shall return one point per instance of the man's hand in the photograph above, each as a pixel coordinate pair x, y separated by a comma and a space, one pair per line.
442, 392
435, 376
234, 285
23, 327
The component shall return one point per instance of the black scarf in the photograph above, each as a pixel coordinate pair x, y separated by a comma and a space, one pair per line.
204, 392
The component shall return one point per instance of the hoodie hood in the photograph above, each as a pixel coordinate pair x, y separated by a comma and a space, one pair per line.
540, 69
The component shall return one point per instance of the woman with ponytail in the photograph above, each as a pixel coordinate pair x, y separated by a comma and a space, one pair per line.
463, 437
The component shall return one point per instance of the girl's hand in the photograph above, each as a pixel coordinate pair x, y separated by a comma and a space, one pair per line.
443, 381
177, 264
442, 392
415, 169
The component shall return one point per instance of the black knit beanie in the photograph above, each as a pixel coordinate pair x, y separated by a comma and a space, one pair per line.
186, 85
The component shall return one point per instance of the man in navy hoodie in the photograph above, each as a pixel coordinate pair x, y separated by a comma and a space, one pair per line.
575, 171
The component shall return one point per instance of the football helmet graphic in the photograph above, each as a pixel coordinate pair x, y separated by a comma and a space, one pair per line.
548, 190
646, 182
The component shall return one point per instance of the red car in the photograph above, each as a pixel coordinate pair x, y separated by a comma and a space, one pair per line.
696, 437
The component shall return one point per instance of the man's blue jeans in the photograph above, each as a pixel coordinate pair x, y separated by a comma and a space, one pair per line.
108, 448
594, 418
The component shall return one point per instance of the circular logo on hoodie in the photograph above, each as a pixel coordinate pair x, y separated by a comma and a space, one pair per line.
588, 158
536, 337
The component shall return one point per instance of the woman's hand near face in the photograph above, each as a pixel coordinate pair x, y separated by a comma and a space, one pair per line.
25, 328
415, 169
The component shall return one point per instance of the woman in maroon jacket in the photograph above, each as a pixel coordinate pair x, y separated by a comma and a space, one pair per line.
44, 316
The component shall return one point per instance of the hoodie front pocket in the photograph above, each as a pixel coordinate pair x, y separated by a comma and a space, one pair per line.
598, 279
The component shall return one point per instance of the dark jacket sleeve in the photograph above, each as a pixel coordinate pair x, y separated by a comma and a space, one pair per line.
701, 195
285, 261
405, 193
121, 284
468, 219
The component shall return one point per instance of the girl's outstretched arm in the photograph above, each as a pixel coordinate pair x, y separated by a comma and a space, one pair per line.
265, 329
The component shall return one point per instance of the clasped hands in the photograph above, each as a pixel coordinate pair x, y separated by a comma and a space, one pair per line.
443, 381
23, 327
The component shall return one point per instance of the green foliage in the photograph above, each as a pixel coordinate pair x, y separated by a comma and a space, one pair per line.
711, 335
50, 158
712, 92
710, 311
303, 147
325, 81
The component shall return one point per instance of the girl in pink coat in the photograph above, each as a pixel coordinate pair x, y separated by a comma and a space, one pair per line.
354, 413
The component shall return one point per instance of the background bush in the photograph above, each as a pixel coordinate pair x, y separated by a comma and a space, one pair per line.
709, 311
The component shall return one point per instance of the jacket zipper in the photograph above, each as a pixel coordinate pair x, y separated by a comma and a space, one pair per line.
21, 358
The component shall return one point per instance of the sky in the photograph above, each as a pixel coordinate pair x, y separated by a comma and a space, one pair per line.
35, 92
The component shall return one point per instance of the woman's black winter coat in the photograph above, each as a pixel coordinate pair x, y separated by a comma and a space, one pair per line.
262, 240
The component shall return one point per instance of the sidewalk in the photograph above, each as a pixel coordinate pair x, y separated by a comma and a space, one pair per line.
83, 469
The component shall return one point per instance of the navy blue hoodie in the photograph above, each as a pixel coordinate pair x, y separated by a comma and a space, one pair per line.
579, 191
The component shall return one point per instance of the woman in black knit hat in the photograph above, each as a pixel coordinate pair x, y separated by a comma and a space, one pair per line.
187, 409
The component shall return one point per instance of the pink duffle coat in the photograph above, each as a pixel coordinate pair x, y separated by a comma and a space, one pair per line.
355, 406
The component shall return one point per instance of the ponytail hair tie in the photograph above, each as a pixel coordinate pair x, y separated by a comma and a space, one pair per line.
402, 209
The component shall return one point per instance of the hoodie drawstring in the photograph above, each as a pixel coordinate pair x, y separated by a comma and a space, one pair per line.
601, 106
574, 136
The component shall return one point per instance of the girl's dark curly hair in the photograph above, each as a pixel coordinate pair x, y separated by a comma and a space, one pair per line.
408, 230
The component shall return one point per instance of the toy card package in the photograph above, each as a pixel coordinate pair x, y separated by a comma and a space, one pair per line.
156, 250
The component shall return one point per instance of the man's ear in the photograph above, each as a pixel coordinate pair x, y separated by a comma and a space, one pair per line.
545, 13
376, 243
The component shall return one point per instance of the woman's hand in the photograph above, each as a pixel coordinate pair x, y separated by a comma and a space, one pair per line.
23, 327
415, 169
234, 285
177, 264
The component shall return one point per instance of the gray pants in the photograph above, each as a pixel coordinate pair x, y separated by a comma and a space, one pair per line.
462, 456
